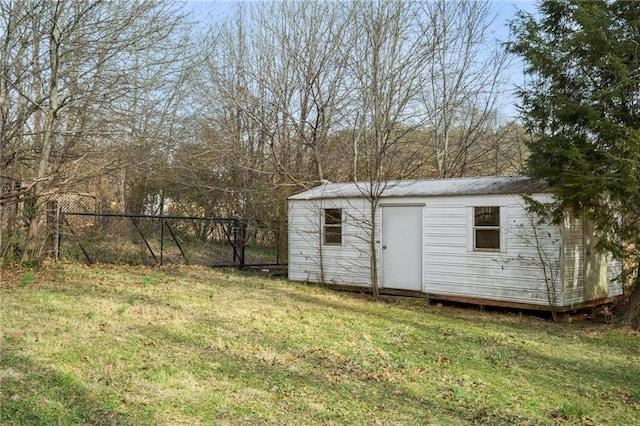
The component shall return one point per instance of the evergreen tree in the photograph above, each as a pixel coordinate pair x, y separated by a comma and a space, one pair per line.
582, 104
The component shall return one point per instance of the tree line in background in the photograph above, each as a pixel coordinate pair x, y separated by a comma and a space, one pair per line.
147, 111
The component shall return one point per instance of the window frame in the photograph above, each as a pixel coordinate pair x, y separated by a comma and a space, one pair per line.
334, 228
483, 227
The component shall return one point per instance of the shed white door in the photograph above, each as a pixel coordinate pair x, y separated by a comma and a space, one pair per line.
402, 247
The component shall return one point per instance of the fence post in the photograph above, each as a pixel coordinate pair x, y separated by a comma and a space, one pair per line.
161, 241
239, 235
57, 236
276, 227
51, 215
235, 241
282, 246
243, 237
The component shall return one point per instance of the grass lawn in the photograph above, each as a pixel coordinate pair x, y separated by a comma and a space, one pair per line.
189, 345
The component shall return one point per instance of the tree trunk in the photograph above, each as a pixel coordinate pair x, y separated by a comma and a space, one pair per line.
631, 312
46, 145
30, 247
373, 251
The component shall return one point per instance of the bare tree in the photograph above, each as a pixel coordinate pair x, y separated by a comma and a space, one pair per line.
305, 47
544, 242
463, 83
275, 91
227, 159
386, 70
68, 69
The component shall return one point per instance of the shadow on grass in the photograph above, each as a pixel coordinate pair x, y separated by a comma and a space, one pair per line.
287, 387
36, 395
300, 375
597, 369
295, 377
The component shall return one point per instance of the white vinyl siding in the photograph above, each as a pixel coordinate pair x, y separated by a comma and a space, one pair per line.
573, 259
451, 265
345, 263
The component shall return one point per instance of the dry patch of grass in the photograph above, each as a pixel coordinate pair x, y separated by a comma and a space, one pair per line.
188, 345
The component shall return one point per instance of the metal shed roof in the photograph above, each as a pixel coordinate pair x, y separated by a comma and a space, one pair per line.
429, 188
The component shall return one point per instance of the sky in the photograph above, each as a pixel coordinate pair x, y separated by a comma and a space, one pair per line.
506, 9
211, 10
506, 12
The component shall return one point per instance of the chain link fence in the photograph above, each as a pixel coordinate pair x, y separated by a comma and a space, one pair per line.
68, 227
20, 215
117, 238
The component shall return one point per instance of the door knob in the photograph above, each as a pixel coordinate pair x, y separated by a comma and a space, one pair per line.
384, 247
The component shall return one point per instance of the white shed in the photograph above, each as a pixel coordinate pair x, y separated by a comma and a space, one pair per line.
470, 240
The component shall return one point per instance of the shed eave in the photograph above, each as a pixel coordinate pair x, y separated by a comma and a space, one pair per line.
494, 185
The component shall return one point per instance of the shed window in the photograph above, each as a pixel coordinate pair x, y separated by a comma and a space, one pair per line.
333, 226
486, 228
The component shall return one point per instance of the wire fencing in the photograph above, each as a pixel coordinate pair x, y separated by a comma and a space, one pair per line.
119, 238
